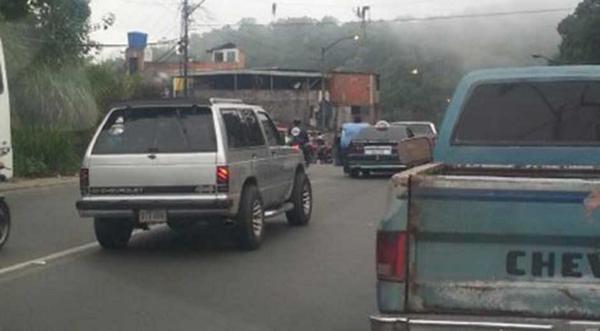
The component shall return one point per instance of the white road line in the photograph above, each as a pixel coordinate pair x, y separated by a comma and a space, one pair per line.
48, 258
44, 260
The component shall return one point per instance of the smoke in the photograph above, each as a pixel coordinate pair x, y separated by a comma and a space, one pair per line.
497, 41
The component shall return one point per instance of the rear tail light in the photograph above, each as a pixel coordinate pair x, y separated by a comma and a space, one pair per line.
296, 147
391, 256
222, 179
84, 180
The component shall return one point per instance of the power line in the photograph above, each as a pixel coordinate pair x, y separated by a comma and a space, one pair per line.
404, 19
480, 15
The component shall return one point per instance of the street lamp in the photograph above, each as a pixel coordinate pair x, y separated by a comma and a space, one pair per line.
323, 73
540, 56
415, 71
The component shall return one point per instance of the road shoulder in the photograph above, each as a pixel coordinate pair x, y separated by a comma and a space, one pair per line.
25, 184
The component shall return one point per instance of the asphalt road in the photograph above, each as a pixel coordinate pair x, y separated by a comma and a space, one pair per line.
319, 277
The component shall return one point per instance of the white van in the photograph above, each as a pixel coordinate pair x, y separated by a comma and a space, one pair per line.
6, 155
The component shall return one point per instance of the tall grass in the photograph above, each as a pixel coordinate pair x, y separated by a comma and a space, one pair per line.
40, 152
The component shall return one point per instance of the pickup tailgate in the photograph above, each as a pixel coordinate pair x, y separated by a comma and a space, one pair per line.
504, 245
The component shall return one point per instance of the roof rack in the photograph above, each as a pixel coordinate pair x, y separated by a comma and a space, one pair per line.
224, 100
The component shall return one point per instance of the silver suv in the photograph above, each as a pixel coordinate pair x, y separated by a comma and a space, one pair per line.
180, 162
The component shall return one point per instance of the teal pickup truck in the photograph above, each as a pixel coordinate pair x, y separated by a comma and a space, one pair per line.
502, 230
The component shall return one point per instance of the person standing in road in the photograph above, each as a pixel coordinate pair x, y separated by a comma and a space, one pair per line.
349, 131
299, 137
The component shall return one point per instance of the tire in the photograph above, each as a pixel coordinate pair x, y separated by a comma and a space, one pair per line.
4, 223
302, 200
354, 173
250, 220
113, 233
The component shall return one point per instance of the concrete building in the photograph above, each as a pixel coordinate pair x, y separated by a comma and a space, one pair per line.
289, 94
286, 93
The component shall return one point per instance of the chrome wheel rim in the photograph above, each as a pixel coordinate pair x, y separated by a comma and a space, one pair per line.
306, 200
257, 218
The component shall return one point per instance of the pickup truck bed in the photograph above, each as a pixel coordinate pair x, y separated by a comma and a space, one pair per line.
500, 241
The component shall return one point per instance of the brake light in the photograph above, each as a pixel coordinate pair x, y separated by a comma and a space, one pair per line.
296, 147
391, 256
84, 180
222, 179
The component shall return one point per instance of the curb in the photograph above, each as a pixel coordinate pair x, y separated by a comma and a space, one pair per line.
28, 184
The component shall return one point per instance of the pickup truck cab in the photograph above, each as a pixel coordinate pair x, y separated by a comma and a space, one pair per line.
502, 230
180, 162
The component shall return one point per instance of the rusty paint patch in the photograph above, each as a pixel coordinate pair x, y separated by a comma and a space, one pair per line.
592, 202
570, 295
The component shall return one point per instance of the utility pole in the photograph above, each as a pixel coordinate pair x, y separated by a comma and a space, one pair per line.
186, 13
186, 37
324, 74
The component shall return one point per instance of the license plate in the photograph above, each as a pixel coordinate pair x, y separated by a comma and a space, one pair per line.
153, 216
378, 150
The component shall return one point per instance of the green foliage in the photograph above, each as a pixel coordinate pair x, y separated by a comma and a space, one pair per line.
54, 98
44, 152
580, 34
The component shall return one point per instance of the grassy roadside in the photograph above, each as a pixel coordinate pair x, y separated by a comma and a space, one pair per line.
40, 152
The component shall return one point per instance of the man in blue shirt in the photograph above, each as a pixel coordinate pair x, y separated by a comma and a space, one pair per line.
349, 131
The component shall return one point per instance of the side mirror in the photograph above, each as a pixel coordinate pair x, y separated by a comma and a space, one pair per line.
415, 151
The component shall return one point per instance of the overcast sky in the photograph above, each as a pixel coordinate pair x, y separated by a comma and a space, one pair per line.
160, 18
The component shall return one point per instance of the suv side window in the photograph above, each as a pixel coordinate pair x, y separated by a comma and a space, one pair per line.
235, 128
253, 132
273, 136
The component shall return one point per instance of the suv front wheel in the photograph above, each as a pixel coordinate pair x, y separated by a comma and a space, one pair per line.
250, 219
302, 200
113, 233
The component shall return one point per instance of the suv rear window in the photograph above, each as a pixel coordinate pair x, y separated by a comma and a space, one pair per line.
157, 130
531, 113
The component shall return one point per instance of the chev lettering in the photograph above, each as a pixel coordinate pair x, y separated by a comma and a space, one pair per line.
549, 264
117, 190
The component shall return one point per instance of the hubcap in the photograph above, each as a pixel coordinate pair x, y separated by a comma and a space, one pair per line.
257, 218
306, 200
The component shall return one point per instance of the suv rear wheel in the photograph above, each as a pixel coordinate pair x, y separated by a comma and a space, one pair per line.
302, 200
250, 219
113, 233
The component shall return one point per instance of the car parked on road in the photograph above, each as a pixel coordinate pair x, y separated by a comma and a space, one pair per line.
375, 148
179, 162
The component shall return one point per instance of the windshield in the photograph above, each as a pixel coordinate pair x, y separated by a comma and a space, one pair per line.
157, 130
531, 113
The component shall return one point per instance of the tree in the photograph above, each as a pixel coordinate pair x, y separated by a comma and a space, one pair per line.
580, 34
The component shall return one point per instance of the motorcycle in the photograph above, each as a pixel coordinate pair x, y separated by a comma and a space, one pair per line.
323, 151
4, 218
